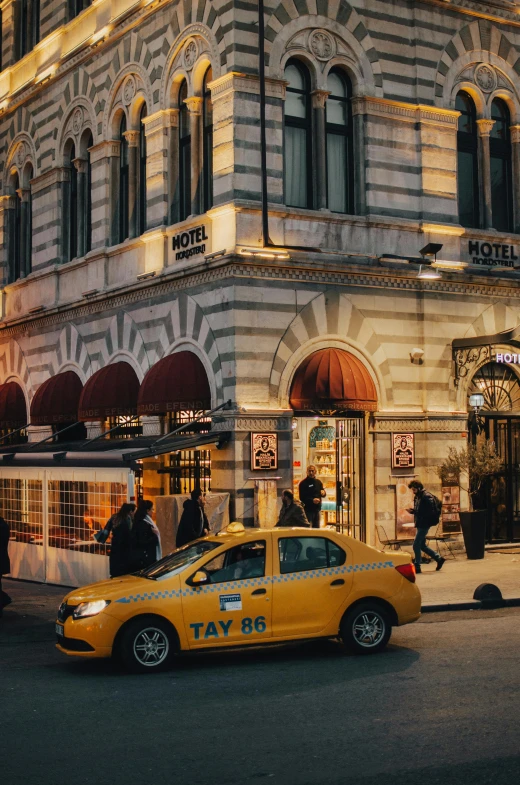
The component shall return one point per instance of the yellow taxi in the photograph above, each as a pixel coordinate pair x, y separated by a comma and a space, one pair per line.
244, 587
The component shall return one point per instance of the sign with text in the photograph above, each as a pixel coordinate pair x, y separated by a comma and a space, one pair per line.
403, 451
264, 451
191, 242
492, 254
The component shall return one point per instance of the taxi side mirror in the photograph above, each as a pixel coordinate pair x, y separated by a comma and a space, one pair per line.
199, 578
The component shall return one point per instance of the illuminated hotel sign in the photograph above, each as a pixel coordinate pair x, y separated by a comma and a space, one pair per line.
510, 359
192, 242
492, 254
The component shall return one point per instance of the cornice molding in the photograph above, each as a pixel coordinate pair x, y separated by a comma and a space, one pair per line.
449, 422
412, 113
236, 82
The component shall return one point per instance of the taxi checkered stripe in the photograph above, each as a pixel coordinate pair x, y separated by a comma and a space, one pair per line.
236, 585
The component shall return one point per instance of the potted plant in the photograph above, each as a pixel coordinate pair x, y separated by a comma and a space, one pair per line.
477, 463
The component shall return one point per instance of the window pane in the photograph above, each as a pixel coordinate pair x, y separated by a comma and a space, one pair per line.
336, 111
296, 166
296, 105
298, 554
237, 564
337, 172
466, 186
336, 85
499, 194
500, 114
295, 78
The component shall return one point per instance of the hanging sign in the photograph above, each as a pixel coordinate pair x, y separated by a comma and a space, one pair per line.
403, 451
264, 451
492, 254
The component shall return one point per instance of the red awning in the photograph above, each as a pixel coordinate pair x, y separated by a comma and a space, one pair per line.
175, 383
13, 410
110, 392
333, 379
57, 400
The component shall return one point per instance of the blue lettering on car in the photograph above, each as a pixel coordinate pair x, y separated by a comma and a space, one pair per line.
247, 625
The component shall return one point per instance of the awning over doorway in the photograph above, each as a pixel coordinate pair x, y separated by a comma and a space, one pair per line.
57, 400
333, 379
110, 392
13, 410
175, 383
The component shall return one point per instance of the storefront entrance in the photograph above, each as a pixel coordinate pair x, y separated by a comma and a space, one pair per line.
335, 446
503, 490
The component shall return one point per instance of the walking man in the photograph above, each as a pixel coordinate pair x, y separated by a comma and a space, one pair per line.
426, 513
311, 492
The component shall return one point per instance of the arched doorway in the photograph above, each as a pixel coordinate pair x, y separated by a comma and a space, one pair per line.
331, 394
499, 422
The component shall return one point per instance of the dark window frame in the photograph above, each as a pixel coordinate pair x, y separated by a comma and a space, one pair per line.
27, 26
305, 124
184, 155
142, 211
207, 142
123, 211
75, 7
501, 149
347, 132
88, 198
467, 142
71, 250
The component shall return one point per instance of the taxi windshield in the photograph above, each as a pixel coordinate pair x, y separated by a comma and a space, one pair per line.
175, 562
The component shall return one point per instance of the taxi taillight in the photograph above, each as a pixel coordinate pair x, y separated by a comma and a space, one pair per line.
407, 571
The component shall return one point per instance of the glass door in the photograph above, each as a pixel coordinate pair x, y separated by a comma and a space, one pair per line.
503, 489
350, 490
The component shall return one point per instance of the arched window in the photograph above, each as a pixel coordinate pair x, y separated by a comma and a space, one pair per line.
184, 154
467, 162
26, 223
141, 213
297, 137
500, 162
123, 182
207, 150
71, 244
340, 159
15, 233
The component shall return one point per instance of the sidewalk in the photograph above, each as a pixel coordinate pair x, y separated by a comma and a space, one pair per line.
459, 578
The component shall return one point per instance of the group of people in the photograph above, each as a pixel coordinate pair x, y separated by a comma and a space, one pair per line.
136, 541
306, 511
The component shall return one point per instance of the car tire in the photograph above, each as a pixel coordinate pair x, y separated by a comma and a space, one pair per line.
365, 629
147, 645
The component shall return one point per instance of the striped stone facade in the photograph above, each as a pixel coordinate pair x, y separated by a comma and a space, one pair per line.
253, 319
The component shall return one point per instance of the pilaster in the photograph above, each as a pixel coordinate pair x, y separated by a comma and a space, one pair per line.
484, 131
161, 164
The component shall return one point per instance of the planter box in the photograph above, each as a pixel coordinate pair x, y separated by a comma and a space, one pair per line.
474, 532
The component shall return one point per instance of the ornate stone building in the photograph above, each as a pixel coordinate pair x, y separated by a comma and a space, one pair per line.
132, 232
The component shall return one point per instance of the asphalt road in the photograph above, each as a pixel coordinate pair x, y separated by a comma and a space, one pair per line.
442, 705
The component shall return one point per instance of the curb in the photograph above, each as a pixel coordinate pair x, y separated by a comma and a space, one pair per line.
474, 605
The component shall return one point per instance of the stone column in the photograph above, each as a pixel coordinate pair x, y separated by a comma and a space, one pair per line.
49, 215
319, 98
132, 138
194, 104
159, 129
104, 163
515, 142
80, 165
484, 130
25, 233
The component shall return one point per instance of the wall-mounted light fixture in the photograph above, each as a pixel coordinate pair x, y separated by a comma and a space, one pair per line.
149, 274
89, 293
215, 255
265, 253
428, 273
416, 356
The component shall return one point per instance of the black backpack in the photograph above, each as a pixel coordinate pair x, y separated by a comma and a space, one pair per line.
435, 509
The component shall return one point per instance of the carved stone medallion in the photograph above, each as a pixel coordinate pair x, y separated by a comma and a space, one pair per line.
191, 52
129, 89
322, 44
485, 77
21, 153
77, 120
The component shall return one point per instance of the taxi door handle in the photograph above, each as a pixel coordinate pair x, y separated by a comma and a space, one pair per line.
338, 582
258, 591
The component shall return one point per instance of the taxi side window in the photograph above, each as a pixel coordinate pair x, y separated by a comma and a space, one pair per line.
298, 554
238, 563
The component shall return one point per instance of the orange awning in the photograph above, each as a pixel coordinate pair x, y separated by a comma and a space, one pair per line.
333, 379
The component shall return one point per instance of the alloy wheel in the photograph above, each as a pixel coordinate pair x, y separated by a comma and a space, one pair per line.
368, 629
151, 647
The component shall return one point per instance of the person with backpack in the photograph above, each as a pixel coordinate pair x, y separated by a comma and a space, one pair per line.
426, 512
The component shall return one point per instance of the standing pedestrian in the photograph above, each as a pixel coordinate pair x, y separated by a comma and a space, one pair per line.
311, 492
5, 564
426, 512
121, 550
194, 521
146, 536
292, 512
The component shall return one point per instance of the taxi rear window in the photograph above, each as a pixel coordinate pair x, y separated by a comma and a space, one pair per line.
175, 562
298, 554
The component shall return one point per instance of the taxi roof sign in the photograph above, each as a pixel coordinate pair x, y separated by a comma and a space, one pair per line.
235, 527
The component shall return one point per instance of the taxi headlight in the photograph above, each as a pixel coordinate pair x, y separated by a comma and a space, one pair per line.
85, 609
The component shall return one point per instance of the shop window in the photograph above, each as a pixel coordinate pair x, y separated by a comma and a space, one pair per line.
77, 6
467, 162
207, 151
184, 154
500, 163
340, 159
298, 554
141, 213
238, 563
297, 137
123, 183
22, 508
124, 427
12, 436
26, 14
188, 469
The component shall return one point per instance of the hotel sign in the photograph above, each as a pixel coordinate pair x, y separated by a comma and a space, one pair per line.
492, 254
508, 358
191, 242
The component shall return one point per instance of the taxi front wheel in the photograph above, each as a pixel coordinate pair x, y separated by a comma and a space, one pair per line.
147, 645
365, 629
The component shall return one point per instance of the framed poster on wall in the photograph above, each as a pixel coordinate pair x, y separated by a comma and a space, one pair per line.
403, 450
264, 451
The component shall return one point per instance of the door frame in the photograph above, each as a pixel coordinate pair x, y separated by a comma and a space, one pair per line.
508, 475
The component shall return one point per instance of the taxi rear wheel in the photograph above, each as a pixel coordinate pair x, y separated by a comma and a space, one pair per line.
365, 629
147, 646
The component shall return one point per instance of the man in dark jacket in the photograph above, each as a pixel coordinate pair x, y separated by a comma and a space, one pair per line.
311, 492
426, 514
292, 512
194, 522
5, 564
